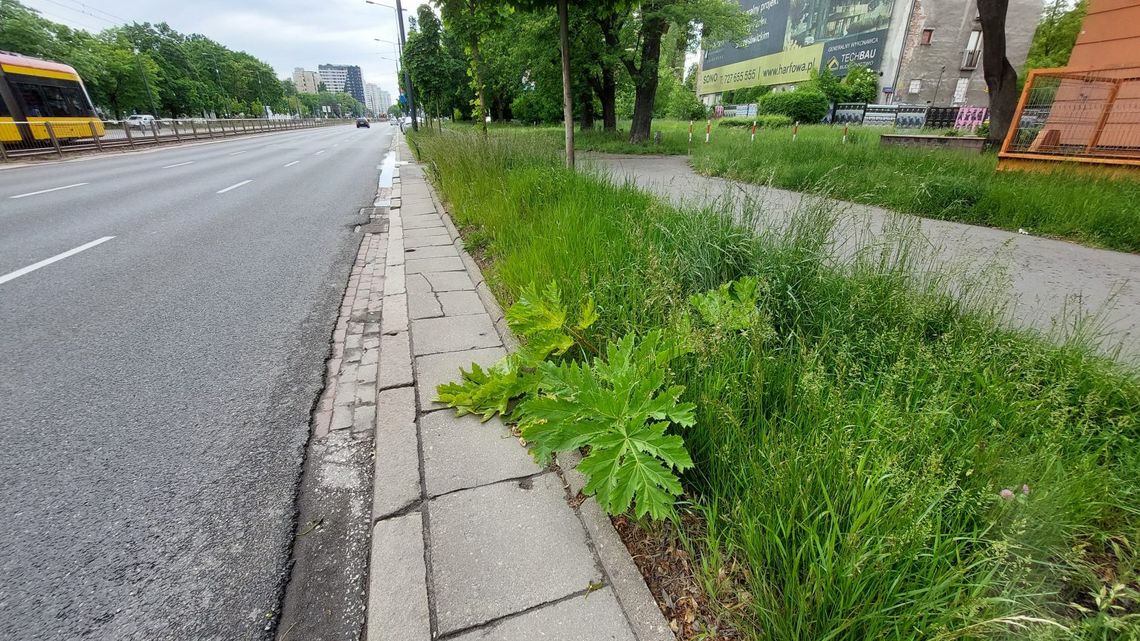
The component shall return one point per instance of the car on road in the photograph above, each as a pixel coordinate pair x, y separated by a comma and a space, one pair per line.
362, 122
142, 121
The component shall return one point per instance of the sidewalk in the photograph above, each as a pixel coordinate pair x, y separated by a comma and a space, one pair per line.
470, 538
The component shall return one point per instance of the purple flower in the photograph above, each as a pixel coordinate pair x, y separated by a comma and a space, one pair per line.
1025, 489
1007, 494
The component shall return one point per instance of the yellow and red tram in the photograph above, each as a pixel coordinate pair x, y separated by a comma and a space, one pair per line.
34, 92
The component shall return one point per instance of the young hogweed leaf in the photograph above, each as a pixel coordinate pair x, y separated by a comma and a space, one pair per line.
616, 406
537, 311
732, 306
487, 392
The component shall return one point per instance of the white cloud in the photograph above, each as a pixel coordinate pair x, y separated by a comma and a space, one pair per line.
284, 33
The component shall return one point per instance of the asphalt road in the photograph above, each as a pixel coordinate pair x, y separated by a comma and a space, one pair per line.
156, 386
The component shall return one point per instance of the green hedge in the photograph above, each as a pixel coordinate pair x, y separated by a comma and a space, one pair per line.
805, 106
767, 121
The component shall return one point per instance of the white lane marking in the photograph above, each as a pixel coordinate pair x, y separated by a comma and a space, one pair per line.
239, 152
319, 152
244, 182
44, 263
290, 164
179, 164
44, 191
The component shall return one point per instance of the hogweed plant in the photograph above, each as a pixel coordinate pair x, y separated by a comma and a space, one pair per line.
617, 403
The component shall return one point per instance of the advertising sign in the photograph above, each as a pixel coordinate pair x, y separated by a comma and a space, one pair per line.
910, 117
861, 49
794, 65
791, 38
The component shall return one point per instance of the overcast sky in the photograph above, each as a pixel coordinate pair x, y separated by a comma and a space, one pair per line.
284, 33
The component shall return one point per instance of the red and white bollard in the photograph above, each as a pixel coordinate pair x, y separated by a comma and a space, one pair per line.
708, 131
795, 131
753, 132
845, 134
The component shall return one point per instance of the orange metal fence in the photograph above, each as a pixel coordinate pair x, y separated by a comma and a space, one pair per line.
1086, 116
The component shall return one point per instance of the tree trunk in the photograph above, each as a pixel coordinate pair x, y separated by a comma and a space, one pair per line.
567, 102
645, 79
587, 102
608, 98
1001, 78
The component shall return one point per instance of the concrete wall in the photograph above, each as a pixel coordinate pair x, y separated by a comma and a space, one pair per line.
952, 22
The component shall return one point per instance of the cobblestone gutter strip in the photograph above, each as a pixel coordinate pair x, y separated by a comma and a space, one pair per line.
326, 595
484, 580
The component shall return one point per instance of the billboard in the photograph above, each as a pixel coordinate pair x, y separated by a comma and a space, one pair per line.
792, 38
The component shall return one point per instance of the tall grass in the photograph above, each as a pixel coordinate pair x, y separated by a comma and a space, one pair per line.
935, 183
852, 447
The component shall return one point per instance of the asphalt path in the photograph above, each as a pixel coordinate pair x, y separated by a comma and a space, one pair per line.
165, 319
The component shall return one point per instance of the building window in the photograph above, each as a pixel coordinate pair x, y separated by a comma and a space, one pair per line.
927, 36
973, 53
960, 90
915, 86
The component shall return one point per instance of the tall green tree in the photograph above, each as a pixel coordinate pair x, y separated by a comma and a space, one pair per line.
1056, 34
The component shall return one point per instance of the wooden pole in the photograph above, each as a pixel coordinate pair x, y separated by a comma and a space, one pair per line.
567, 104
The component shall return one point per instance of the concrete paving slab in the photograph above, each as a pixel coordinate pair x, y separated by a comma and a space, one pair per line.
461, 303
461, 452
441, 264
423, 222
426, 232
437, 251
396, 476
418, 284
449, 281
395, 361
451, 334
593, 617
423, 305
436, 369
427, 241
397, 582
503, 548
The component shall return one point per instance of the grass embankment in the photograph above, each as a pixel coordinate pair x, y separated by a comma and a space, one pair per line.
935, 183
853, 444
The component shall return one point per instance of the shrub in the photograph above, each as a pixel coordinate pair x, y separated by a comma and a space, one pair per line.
804, 105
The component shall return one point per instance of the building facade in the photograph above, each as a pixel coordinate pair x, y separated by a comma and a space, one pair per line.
925, 52
306, 81
343, 78
376, 99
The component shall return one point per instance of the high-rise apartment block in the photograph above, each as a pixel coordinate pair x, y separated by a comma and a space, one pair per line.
346, 78
306, 81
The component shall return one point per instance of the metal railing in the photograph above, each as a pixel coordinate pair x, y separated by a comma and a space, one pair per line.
61, 136
1090, 116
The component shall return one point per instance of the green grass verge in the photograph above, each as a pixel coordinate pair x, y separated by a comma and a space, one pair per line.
935, 183
852, 446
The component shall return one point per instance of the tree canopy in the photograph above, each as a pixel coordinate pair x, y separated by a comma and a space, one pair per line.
187, 74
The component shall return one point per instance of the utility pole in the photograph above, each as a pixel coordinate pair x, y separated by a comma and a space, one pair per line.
407, 76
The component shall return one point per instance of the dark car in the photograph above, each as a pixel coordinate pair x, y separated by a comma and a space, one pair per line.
362, 122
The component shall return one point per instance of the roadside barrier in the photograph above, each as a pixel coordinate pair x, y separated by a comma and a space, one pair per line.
62, 136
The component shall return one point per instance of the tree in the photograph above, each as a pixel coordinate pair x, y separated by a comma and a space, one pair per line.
1054, 38
1001, 78
644, 30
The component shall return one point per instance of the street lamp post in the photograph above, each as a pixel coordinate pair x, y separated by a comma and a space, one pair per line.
146, 83
407, 76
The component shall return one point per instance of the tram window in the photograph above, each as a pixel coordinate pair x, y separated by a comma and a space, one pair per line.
5, 112
34, 106
63, 102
